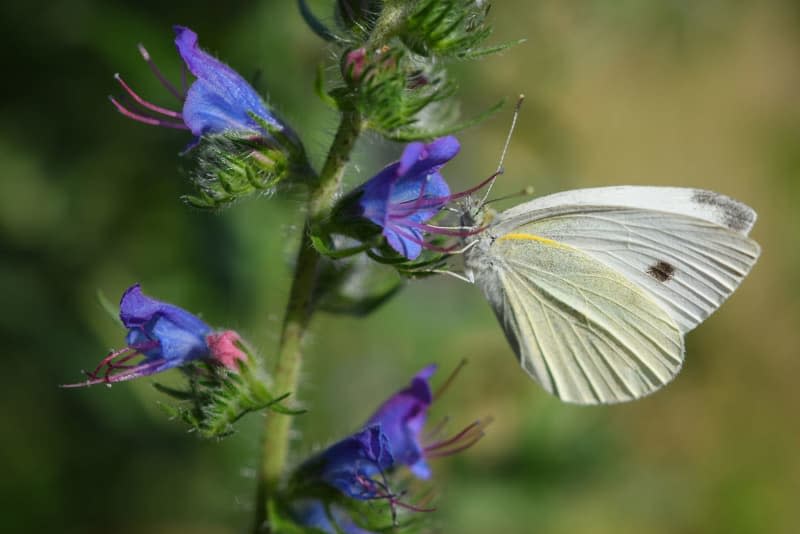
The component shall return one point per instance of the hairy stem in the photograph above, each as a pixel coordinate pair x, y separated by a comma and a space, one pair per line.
298, 314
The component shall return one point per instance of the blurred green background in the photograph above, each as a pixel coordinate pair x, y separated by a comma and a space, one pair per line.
669, 92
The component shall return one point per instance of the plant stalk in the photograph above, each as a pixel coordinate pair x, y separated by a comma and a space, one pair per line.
299, 310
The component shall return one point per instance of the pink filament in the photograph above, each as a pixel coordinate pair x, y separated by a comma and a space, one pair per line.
144, 103
419, 202
115, 361
382, 492
150, 63
145, 119
449, 380
424, 244
444, 231
465, 439
129, 374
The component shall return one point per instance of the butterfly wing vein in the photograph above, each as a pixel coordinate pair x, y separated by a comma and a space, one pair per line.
581, 330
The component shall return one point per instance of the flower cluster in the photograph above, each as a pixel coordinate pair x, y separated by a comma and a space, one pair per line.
360, 466
392, 81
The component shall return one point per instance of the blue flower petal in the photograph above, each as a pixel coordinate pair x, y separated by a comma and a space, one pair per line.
409, 192
405, 246
137, 310
411, 155
436, 154
220, 100
375, 196
177, 335
178, 344
401, 419
346, 464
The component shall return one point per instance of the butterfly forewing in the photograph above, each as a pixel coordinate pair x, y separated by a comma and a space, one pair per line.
581, 329
688, 265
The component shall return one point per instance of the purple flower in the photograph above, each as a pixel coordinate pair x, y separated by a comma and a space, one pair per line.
218, 101
352, 465
402, 418
407, 193
162, 336
358, 466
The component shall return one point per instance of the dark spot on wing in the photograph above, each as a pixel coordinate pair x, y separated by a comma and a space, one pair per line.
735, 215
661, 271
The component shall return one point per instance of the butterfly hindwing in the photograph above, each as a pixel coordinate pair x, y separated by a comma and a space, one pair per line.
580, 329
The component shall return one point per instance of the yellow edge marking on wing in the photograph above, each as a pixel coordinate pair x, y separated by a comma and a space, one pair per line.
531, 237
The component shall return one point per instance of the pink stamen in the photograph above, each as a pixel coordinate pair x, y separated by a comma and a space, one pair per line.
382, 492
424, 244
141, 101
449, 380
410, 507
105, 361
454, 439
423, 188
119, 364
130, 374
461, 441
449, 452
421, 203
166, 83
124, 355
144, 119
417, 204
438, 230
437, 430
471, 190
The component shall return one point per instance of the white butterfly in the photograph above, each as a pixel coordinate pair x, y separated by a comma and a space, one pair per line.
595, 288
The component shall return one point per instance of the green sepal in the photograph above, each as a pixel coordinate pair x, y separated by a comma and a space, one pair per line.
231, 166
412, 134
478, 53
385, 94
449, 28
214, 397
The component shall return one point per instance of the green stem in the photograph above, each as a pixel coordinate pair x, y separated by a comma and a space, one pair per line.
298, 314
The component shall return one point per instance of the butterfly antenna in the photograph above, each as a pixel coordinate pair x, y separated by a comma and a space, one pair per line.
505, 148
526, 192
